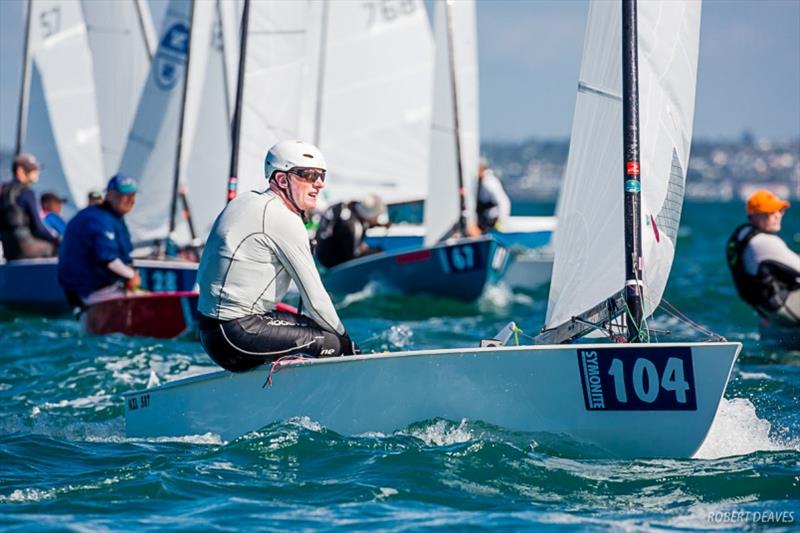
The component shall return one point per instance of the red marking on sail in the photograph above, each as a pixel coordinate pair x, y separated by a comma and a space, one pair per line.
655, 229
632, 168
413, 257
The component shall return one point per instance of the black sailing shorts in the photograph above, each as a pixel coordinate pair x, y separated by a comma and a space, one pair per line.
244, 343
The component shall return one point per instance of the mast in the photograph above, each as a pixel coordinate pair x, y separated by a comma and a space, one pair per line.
22, 117
149, 39
631, 178
236, 127
181, 120
323, 41
462, 223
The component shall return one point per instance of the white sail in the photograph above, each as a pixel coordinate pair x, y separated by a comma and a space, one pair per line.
151, 149
589, 251
276, 46
207, 157
120, 35
443, 212
370, 69
229, 13
62, 129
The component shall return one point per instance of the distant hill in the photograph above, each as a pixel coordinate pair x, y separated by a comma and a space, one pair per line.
718, 170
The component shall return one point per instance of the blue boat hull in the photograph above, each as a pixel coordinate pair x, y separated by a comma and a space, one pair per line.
458, 270
513, 240
31, 285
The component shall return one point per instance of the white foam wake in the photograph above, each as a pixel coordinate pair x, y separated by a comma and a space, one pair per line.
737, 430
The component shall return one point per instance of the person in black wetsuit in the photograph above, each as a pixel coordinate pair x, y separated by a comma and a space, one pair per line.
256, 248
22, 231
765, 271
343, 228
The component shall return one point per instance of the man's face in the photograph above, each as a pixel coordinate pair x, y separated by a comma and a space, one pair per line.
27, 176
53, 207
768, 222
305, 192
121, 203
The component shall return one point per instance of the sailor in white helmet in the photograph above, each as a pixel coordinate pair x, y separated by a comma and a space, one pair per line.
257, 246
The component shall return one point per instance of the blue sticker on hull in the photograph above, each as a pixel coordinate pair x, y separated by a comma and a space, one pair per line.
645, 379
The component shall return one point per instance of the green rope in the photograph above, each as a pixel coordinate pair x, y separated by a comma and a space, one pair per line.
516, 331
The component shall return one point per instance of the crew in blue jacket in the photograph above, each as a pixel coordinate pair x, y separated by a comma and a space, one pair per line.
94, 260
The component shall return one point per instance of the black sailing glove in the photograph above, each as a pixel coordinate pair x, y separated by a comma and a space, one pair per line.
349, 347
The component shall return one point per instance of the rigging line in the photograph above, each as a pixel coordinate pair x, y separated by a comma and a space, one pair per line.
678, 314
640, 290
681, 316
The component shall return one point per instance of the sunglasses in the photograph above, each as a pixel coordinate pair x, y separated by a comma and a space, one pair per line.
307, 174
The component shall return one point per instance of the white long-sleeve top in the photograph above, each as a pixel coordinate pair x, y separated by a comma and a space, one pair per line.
768, 247
491, 189
255, 248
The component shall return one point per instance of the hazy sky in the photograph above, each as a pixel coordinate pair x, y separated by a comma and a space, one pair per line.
529, 55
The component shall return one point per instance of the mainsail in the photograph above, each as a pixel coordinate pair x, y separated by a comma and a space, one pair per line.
277, 35
150, 153
62, 125
370, 69
455, 88
120, 36
589, 252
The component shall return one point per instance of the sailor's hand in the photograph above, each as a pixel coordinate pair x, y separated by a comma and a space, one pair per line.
473, 230
135, 282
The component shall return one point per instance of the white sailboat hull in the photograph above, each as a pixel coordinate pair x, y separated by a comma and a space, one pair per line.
529, 269
526, 388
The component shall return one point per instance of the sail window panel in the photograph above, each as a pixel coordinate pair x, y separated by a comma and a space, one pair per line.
668, 50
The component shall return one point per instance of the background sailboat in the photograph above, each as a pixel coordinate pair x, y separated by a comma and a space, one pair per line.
456, 269
453, 158
75, 111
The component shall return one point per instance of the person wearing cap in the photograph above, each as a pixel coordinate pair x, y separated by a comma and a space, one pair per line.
23, 233
765, 271
493, 206
52, 204
94, 198
257, 246
95, 256
343, 228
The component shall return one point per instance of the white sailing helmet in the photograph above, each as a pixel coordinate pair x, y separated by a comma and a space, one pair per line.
286, 155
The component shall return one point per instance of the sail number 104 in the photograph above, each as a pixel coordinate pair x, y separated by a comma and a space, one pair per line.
648, 379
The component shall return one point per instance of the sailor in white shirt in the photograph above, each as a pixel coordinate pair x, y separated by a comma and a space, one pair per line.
494, 206
257, 246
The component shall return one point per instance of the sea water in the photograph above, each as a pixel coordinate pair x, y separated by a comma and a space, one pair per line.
66, 464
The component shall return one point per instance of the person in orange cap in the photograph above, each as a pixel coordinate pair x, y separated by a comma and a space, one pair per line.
766, 272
